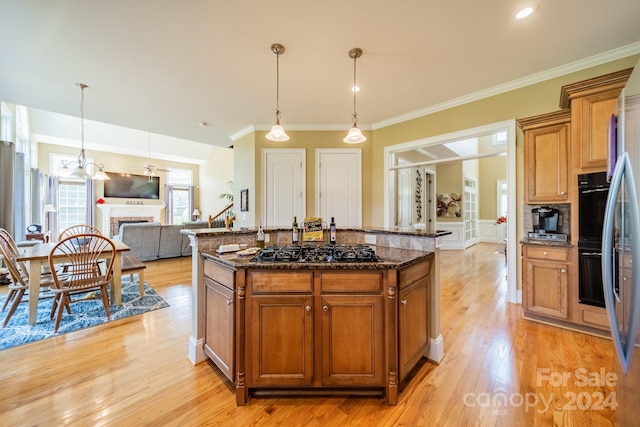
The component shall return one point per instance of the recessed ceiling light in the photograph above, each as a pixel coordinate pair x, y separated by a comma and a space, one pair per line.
525, 12
203, 124
355, 89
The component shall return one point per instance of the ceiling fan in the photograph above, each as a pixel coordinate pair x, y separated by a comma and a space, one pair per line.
149, 169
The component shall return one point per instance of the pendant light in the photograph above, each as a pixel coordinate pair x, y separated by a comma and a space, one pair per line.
355, 135
81, 170
277, 132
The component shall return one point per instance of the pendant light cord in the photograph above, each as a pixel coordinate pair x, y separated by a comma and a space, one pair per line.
82, 158
355, 114
278, 87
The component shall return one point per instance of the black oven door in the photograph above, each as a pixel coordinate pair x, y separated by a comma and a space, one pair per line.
590, 290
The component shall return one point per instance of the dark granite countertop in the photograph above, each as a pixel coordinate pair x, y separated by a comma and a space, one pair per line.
391, 258
372, 230
527, 241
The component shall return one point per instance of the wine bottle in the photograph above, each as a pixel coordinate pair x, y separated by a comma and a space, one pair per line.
260, 237
332, 231
294, 231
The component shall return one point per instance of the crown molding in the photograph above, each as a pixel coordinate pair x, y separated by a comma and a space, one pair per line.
592, 61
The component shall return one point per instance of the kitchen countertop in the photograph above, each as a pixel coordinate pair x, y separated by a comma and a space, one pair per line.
527, 241
371, 230
391, 258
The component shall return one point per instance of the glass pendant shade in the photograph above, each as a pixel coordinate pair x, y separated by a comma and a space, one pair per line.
355, 136
100, 176
80, 172
277, 133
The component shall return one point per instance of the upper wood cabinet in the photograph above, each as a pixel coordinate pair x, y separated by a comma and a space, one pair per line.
592, 102
546, 157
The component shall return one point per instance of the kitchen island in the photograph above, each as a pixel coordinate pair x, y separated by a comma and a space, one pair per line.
305, 327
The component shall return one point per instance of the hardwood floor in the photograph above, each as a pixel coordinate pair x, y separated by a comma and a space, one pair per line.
135, 371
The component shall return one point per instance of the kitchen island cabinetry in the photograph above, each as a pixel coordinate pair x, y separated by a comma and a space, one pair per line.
546, 280
219, 339
291, 328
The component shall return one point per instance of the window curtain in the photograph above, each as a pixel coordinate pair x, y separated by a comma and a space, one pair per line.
192, 200
7, 160
51, 220
90, 202
37, 197
19, 171
168, 201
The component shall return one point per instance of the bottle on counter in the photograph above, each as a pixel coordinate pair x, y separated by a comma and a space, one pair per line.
260, 237
294, 231
332, 231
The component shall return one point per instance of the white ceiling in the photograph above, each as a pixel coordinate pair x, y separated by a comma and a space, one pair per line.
164, 66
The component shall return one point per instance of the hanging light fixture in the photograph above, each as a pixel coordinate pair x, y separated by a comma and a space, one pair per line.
277, 132
81, 169
355, 135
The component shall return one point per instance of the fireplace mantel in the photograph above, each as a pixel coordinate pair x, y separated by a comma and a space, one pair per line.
118, 210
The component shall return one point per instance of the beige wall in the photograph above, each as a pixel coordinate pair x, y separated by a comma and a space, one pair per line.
114, 162
214, 174
492, 169
449, 179
310, 141
245, 176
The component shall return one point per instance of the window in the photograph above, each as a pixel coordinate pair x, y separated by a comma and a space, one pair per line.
180, 182
502, 198
72, 195
499, 138
6, 127
72, 205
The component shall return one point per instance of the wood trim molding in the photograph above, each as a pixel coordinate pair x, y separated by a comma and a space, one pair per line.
594, 85
547, 119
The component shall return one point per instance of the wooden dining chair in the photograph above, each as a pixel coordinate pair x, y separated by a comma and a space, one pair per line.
78, 229
84, 272
19, 275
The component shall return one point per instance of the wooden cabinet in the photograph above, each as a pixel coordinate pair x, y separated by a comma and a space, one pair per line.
592, 102
281, 340
413, 325
219, 330
546, 279
546, 157
413, 316
352, 334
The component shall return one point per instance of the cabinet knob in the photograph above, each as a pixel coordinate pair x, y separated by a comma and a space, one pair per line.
562, 193
229, 302
325, 308
563, 271
545, 253
403, 302
307, 308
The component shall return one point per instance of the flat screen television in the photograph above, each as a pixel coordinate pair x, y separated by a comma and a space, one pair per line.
130, 186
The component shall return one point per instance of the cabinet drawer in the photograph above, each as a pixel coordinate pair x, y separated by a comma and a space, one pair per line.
219, 273
351, 282
547, 253
288, 281
413, 273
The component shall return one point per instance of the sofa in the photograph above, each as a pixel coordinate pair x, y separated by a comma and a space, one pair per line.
152, 241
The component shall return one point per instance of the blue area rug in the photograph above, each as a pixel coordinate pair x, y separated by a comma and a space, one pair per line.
85, 314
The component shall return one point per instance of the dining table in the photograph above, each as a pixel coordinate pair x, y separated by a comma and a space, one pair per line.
38, 255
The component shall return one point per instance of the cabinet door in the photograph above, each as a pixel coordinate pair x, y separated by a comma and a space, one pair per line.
219, 341
547, 164
352, 336
546, 288
590, 115
281, 340
413, 323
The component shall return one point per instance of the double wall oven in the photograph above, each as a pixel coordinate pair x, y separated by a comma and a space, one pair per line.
593, 189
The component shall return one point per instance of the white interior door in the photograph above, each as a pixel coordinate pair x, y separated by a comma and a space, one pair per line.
339, 186
470, 211
404, 198
283, 186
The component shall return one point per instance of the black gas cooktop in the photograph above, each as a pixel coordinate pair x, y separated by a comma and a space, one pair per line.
317, 253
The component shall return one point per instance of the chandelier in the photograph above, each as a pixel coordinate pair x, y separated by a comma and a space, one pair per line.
277, 132
80, 170
355, 135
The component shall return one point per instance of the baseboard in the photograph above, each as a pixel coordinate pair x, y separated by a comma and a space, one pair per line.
436, 349
196, 350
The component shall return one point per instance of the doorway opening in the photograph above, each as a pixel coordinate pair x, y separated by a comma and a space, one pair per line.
497, 139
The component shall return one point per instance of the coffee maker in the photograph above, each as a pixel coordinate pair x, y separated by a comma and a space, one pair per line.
545, 222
